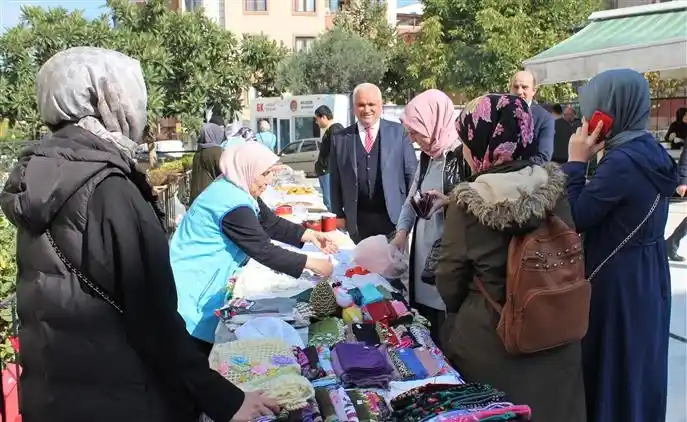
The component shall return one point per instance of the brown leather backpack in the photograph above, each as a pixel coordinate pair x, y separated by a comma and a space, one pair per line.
547, 295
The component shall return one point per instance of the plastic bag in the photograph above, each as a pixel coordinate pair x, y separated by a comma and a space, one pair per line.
376, 255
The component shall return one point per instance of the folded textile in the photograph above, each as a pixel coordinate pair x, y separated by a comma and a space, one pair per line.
244, 361
326, 332
366, 333
356, 295
343, 406
291, 391
432, 399
396, 388
309, 362
429, 361
324, 401
380, 311
359, 357
508, 413
362, 409
413, 364
378, 379
386, 293
370, 294
269, 328
352, 314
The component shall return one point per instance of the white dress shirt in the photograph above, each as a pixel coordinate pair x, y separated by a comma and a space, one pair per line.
362, 132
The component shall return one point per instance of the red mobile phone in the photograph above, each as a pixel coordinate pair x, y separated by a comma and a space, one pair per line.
600, 117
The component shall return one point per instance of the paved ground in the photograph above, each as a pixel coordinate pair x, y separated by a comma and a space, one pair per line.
677, 381
677, 364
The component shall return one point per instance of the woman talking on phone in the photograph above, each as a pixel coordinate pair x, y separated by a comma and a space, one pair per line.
622, 210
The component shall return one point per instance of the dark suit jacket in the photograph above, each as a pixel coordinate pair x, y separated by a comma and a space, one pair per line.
322, 163
398, 163
543, 133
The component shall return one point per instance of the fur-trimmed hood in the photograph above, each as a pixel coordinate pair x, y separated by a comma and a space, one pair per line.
513, 200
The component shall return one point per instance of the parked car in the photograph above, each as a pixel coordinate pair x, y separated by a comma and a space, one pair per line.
301, 155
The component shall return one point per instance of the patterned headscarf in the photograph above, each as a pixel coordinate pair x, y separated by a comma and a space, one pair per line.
497, 128
100, 90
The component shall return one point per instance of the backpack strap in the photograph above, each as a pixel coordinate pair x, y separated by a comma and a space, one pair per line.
487, 296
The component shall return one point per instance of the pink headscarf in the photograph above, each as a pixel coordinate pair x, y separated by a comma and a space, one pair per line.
243, 162
430, 114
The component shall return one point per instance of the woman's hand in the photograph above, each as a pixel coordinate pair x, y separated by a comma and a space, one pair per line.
320, 266
439, 201
255, 404
400, 240
321, 240
582, 145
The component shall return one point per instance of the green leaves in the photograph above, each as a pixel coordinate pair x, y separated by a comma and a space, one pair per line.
336, 63
189, 62
486, 41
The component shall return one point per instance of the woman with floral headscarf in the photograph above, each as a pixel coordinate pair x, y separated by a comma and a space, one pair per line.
101, 339
506, 196
430, 123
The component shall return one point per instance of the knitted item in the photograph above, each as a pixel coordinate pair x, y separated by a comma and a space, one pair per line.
245, 361
322, 299
289, 390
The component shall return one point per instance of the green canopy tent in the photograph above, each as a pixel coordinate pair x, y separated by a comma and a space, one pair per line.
645, 38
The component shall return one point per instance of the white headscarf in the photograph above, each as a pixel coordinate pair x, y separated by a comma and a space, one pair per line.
102, 91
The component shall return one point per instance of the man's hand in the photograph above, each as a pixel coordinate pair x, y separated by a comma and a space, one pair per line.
681, 190
255, 404
321, 240
582, 145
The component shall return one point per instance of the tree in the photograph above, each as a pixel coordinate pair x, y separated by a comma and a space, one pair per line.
418, 65
367, 19
487, 40
665, 88
189, 62
335, 64
262, 56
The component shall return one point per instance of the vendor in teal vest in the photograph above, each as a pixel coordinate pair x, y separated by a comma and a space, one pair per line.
226, 225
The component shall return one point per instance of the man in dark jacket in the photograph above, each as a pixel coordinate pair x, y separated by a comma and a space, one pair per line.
325, 120
101, 339
673, 241
524, 85
205, 166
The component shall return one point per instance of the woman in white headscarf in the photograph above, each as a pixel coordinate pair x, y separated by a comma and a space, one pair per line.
100, 333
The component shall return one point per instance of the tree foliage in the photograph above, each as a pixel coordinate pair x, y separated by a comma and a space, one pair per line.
487, 40
368, 19
335, 63
262, 56
188, 61
665, 87
418, 65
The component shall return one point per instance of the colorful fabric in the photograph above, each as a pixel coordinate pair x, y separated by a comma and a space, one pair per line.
366, 333
497, 128
386, 293
244, 361
322, 299
370, 294
352, 315
356, 295
326, 332
429, 361
305, 311
403, 370
431, 399
343, 405
291, 391
327, 409
361, 406
411, 362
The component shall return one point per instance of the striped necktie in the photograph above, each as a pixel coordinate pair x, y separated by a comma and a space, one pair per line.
369, 141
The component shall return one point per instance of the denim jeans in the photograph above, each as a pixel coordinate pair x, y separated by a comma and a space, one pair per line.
324, 186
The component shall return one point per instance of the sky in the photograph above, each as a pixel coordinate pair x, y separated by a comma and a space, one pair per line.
11, 9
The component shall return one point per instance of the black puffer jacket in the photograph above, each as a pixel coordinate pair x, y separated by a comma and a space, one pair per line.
82, 360
455, 169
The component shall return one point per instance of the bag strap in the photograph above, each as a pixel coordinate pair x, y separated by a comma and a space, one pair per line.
82, 278
627, 239
480, 286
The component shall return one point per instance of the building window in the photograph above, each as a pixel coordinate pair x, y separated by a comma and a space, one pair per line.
255, 5
304, 6
303, 43
334, 5
192, 5
221, 19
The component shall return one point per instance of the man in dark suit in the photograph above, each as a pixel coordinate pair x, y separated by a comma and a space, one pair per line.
524, 85
372, 164
325, 120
